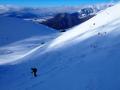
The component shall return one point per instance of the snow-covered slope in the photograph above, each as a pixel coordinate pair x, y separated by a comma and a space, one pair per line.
12, 29
84, 58
19, 38
98, 21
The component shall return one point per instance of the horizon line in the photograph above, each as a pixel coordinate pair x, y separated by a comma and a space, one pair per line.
45, 6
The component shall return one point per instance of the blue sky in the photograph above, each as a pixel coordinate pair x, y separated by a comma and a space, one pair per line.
50, 2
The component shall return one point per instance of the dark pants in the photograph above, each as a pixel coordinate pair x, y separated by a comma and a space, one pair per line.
34, 74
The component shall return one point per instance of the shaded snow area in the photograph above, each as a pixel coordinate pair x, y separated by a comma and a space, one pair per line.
20, 38
13, 29
83, 58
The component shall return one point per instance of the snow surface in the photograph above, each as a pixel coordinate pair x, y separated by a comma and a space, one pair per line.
13, 29
84, 58
24, 48
109, 15
20, 38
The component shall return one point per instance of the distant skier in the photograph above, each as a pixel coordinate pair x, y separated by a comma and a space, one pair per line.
93, 46
102, 34
105, 33
99, 34
34, 72
93, 23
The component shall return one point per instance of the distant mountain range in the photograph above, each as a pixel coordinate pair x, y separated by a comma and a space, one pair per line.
59, 18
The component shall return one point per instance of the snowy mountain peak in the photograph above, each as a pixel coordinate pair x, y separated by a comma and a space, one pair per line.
103, 18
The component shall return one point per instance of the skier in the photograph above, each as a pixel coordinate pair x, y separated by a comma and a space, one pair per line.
93, 23
99, 34
93, 46
34, 72
105, 33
